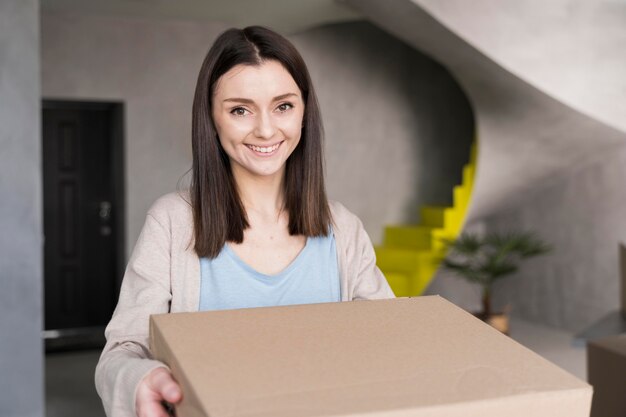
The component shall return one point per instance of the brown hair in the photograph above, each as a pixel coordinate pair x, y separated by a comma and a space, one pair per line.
218, 213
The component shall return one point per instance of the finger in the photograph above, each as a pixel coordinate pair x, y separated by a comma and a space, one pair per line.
164, 384
153, 409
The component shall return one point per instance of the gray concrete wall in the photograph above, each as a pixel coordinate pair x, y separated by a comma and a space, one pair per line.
582, 216
572, 50
390, 145
21, 254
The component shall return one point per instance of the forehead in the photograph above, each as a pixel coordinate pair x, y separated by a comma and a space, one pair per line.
256, 82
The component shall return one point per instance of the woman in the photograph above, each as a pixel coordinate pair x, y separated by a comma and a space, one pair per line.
255, 228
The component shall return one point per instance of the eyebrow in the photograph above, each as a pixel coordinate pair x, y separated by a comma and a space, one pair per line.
247, 100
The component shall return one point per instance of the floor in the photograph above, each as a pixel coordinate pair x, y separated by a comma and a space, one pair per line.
554, 345
70, 390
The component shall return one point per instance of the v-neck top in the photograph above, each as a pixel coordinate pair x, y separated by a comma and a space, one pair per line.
227, 282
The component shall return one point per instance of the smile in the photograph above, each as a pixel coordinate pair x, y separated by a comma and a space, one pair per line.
265, 150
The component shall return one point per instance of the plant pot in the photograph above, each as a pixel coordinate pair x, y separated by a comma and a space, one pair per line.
499, 321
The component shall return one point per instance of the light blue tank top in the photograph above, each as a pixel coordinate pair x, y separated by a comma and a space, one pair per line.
312, 277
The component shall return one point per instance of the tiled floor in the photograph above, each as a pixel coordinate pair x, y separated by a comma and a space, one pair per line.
554, 345
70, 388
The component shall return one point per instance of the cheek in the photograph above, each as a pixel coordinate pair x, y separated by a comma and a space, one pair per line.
293, 127
224, 143
292, 130
229, 131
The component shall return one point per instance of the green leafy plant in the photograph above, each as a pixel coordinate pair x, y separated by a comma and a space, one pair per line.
483, 260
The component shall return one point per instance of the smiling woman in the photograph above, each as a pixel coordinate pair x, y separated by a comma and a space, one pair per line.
254, 229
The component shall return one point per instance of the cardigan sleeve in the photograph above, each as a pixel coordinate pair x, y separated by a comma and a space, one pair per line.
145, 290
370, 282
364, 280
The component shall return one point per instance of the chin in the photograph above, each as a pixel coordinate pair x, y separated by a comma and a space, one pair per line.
257, 171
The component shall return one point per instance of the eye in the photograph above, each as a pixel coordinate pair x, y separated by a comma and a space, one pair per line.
238, 111
283, 109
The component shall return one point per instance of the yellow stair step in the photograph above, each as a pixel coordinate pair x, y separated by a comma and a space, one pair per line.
460, 196
468, 175
408, 272
439, 217
440, 236
409, 237
419, 283
407, 261
399, 283
433, 216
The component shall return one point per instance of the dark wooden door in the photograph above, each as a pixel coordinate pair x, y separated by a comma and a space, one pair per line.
83, 223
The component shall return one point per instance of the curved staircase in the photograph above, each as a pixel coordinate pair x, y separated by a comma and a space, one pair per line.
410, 254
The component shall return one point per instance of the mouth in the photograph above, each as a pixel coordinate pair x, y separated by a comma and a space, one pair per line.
265, 150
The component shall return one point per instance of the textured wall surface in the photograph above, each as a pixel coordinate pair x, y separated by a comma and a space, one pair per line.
572, 50
285, 16
582, 216
387, 108
21, 255
545, 162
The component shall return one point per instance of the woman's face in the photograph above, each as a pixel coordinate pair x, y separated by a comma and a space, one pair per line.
258, 112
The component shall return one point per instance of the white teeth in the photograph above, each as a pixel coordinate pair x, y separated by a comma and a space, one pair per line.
264, 150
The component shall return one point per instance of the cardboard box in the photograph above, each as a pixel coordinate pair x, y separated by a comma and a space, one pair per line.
606, 371
409, 357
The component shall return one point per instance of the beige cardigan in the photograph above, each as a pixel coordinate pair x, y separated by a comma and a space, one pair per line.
163, 275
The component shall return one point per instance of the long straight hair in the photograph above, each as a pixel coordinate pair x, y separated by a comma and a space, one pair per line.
218, 212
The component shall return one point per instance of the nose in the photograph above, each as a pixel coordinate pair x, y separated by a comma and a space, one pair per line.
264, 127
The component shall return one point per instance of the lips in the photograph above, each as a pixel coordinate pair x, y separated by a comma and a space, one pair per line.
264, 150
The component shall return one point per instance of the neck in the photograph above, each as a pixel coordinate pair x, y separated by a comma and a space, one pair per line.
261, 195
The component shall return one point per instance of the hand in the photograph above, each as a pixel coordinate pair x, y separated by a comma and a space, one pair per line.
154, 388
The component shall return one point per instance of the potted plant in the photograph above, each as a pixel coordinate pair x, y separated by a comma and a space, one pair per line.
485, 259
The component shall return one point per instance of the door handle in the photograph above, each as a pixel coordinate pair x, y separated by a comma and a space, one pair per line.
104, 213
105, 210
